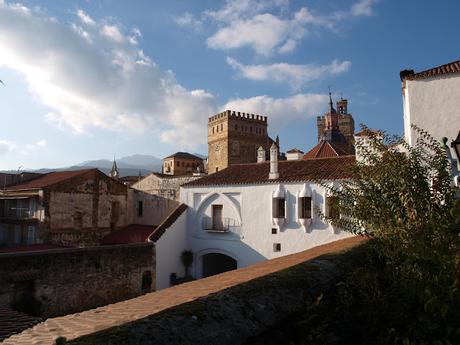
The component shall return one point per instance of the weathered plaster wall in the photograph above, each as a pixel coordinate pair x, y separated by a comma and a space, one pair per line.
432, 104
85, 209
71, 280
249, 209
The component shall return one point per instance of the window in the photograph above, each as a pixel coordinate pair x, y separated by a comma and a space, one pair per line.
236, 127
274, 231
331, 207
2, 233
17, 234
217, 169
304, 207
276, 247
279, 208
221, 127
178, 164
217, 220
183, 164
250, 129
140, 208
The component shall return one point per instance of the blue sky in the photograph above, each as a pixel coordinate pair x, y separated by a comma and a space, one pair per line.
92, 79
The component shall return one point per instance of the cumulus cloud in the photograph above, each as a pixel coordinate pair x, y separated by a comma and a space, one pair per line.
188, 19
281, 110
92, 73
294, 75
266, 25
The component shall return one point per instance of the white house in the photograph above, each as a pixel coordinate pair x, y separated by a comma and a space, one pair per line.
430, 101
252, 212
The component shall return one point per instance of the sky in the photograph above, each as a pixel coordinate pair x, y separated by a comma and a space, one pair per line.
96, 79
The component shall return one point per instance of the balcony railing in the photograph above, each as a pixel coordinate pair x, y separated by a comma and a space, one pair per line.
223, 225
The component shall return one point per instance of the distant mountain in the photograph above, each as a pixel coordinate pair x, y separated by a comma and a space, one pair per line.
127, 166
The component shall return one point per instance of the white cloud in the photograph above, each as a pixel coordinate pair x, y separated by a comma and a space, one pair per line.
93, 76
265, 33
363, 8
294, 75
7, 146
265, 26
85, 18
281, 110
188, 19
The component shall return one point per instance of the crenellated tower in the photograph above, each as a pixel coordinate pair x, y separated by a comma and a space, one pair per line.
234, 137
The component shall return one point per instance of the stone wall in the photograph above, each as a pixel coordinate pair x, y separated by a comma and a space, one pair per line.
64, 281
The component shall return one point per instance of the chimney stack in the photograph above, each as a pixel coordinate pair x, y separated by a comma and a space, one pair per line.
273, 175
260, 155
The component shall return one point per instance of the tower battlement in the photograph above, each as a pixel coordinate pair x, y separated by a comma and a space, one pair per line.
237, 114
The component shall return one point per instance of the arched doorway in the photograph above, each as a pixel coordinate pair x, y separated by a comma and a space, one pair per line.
215, 263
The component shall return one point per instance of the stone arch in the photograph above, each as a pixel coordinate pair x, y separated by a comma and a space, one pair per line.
202, 205
201, 271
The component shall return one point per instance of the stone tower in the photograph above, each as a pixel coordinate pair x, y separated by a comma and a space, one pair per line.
345, 121
234, 137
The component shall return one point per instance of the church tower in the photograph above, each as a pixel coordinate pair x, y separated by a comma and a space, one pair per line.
234, 137
114, 173
338, 119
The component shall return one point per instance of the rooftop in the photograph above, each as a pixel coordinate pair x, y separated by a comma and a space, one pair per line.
448, 68
134, 233
170, 219
184, 155
327, 149
49, 179
290, 171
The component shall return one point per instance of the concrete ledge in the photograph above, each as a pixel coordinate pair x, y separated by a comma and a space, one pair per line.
234, 315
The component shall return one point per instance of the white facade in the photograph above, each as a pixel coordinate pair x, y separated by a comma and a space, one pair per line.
433, 105
168, 250
251, 232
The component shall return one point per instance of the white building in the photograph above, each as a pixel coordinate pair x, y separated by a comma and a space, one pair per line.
252, 212
430, 100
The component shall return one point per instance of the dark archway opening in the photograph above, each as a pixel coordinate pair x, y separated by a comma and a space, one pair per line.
215, 263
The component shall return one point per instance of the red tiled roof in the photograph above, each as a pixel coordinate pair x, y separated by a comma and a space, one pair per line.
448, 68
172, 217
294, 151
290, 171
49, 179
327, 149
134, 233
29, 248
185, 155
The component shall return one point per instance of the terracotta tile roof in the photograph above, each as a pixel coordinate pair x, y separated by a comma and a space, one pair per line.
185, 155
49, 179
448, 68
172, 217
12, 322
295, 150
290, 171
29, 248
134, 233
327, 149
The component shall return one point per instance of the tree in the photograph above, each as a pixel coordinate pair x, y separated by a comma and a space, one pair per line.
187, 260
404, 201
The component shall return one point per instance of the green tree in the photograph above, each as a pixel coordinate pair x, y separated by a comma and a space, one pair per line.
408, 291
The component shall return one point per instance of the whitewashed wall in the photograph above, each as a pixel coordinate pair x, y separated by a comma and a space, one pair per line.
251, 207
168, 250
432, 104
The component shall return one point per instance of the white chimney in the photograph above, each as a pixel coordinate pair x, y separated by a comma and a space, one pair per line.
273, 175
260, 155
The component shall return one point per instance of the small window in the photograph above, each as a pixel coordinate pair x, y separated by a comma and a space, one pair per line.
279, 208
274, 231
212, 130
304, 207
276, 247
236, 127
250, 129
140, 208
217, 169
178, 164
331, 207
221, 127
217, 219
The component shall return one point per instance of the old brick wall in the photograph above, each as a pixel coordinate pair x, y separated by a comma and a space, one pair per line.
71, 280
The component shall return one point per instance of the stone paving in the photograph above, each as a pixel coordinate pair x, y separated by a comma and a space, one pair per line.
79, 324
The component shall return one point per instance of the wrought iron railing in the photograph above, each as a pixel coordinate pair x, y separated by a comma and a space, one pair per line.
222, 225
